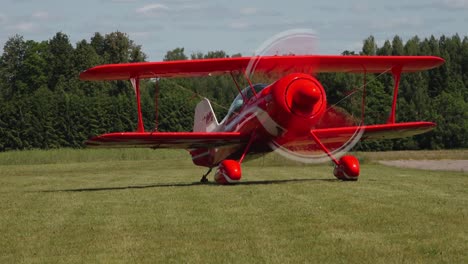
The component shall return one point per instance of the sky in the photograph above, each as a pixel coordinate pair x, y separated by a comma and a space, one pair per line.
235, 26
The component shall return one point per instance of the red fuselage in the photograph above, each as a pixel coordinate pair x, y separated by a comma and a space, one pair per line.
282, 112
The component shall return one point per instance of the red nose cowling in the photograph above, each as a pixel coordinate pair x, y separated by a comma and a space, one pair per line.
302, 97
299, 102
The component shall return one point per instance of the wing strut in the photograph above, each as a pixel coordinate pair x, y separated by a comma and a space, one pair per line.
238, 88
247, 148
156, 105
136, 85
324, 149
250, 84
363, 106
396, 72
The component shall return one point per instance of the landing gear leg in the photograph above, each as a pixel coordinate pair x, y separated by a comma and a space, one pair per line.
346, 168
204, 178
229, 171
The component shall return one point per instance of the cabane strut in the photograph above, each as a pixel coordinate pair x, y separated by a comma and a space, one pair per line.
136, 86
396, 72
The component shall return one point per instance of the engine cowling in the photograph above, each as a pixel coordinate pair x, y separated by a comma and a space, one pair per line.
297, 99
228, 172
347, 169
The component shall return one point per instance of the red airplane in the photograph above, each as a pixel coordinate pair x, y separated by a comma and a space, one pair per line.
290, 115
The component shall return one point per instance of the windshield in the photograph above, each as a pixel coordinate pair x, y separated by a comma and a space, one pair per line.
238, 102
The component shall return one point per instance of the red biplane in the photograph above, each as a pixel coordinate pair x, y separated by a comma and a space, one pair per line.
290, 114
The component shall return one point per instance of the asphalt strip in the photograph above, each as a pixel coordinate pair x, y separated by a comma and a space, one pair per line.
443, 165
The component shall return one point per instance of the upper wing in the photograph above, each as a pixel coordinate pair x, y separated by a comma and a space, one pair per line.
183, 140
266, 64
373, 132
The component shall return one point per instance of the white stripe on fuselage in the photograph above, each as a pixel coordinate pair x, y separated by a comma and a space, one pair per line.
270, 125
201, 155
263, 117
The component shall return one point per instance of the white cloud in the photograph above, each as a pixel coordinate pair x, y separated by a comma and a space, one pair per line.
24, 27
190, 7
248, 11
398, 23
3, 18
41, 15
456, 4
360, 7
239, 25
151, 9
140, 34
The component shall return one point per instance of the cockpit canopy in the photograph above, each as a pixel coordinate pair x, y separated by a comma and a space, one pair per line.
238, 102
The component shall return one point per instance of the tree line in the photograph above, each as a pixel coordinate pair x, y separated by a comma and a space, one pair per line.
45, 105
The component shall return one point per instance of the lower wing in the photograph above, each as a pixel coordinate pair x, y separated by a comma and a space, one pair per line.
189, 140
373, 132
344, 138
181, 140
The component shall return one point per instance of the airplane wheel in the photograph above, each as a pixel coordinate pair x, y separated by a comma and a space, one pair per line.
348, 168
228, 172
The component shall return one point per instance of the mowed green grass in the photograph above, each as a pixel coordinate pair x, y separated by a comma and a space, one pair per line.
142, 206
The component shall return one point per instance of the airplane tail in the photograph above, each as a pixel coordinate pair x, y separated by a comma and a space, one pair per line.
205, 118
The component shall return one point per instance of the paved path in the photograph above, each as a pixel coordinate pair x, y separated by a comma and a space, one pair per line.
447, 165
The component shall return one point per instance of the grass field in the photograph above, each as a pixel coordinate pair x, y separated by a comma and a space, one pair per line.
142, 206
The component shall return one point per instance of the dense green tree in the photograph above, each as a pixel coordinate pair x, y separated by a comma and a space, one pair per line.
369, 47
98, 43
84, 57
216, 54
348, 53
386, 49
412, 46
175, 54
59, 59
116, 48
197, 56
11, 64
397, 46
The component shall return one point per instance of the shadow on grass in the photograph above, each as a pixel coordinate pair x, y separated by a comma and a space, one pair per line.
160, 185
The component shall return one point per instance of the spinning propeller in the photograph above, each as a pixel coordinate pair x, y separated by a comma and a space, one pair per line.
298, 91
